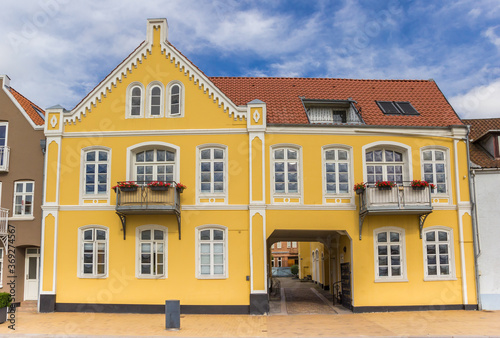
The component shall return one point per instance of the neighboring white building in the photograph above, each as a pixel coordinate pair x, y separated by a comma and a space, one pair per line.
485, 173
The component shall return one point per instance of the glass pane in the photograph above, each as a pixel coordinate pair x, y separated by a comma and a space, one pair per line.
330, 178
160, 155
279, 167
343, 167
175, 89
90, 168
205, 166
170, 156
218, 154
427, 168
150, 154
219, 166
206, 177
87, 235
343, 188
146, 247
382, 260
292, 177
87, 268
382, 250
158, 235
431, 249
432, 270
280, 177
218, 269
378, 155
146, 235
292, 154
443, 248
218, 248
439, 155
293, 187
395, 260
205, 269
382, 237
205, 154
395, 249
443, 236
440, 178
103, 156
205, 259
205, 187
369, 156
398, 157
32, 267
218, 187
445, 269
330, 167
439, 168
100, 235
396, 271
427, 155
279, 154
389, 156
218, 235
205, 248
139, 157
330, 155
146, 258
279, 187
394, 236
292, 166
343, 178
218, 259
431, 259
443, 259
87, 258
383, 271
342, 155
218, 177
430, 236
145, 269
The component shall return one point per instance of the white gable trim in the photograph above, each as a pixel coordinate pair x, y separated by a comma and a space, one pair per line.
131, 62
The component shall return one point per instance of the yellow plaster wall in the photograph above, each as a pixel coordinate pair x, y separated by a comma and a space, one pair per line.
257, 169
52, 159
122, 287
258, 246
48, 253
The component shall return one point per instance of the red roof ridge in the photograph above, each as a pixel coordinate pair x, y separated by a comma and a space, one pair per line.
315, 78
29, 107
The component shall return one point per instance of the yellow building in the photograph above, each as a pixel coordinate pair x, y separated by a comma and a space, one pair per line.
264, 160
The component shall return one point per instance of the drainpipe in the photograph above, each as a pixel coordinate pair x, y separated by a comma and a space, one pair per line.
475, 233
460, 226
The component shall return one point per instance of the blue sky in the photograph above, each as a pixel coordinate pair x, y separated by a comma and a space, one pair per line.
56, 51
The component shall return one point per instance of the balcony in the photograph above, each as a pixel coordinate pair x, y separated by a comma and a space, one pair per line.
4, 158
403, 199
144, 200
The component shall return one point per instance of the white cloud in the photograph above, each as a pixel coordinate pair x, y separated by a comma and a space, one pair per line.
479, 102
491, 34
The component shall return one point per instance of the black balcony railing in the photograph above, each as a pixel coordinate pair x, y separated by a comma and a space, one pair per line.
400, 199
137, 198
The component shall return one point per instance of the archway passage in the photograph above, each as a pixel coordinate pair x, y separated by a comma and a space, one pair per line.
317, 287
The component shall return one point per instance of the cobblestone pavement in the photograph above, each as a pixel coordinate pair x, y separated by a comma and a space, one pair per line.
303, 297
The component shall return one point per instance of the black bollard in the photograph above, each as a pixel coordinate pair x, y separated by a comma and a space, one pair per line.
172, 314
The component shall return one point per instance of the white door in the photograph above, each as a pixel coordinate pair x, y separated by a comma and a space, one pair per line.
31, 274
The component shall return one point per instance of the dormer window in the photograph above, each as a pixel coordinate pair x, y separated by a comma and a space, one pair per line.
331, 112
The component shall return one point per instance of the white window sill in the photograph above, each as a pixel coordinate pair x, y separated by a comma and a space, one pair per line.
404, 280
174, 116
439, 279
151, 277
134, 117
93, 277
211, 277
21, 218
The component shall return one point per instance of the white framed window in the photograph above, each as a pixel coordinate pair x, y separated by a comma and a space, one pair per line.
4, 150
96, 172
286, 170
211, 255
435, 169
23, 198
280, 262
175, 99
294, 244
135, 100
93, 251
390, 255
157, 164
438, 253
1, 267
336, 171
155, 103
385, 165
151, 259
278, 245
288, 244
212, 171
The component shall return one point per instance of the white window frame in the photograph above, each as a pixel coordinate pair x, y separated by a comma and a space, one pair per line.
137, 148
83, 194
210, 195
451, 254
394, 146
349, 162
23, 194
300, 180
138, 242
278, 245
1, 266
198, 243
181, 99
447, 168
149, 97
288, 245
280, 262
402, 243
294, 244
128, 101
80, 257
6, 124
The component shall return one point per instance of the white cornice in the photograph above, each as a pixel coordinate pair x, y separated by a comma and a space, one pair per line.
222, 131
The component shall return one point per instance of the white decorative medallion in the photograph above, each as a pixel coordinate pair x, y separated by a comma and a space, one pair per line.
256, 116
53, 121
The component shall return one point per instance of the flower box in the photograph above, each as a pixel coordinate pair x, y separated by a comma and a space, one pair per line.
359, 188
127, 189
384, 187
159, 188
418, 188
180, 187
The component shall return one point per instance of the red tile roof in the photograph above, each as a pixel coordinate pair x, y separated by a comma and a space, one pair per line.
284, 106
29, 107
479, 128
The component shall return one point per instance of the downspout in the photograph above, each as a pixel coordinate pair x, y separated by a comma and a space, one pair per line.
460, 226
475, 234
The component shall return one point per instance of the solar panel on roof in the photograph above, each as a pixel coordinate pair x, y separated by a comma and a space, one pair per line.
388, 107
39, 112
406, 108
